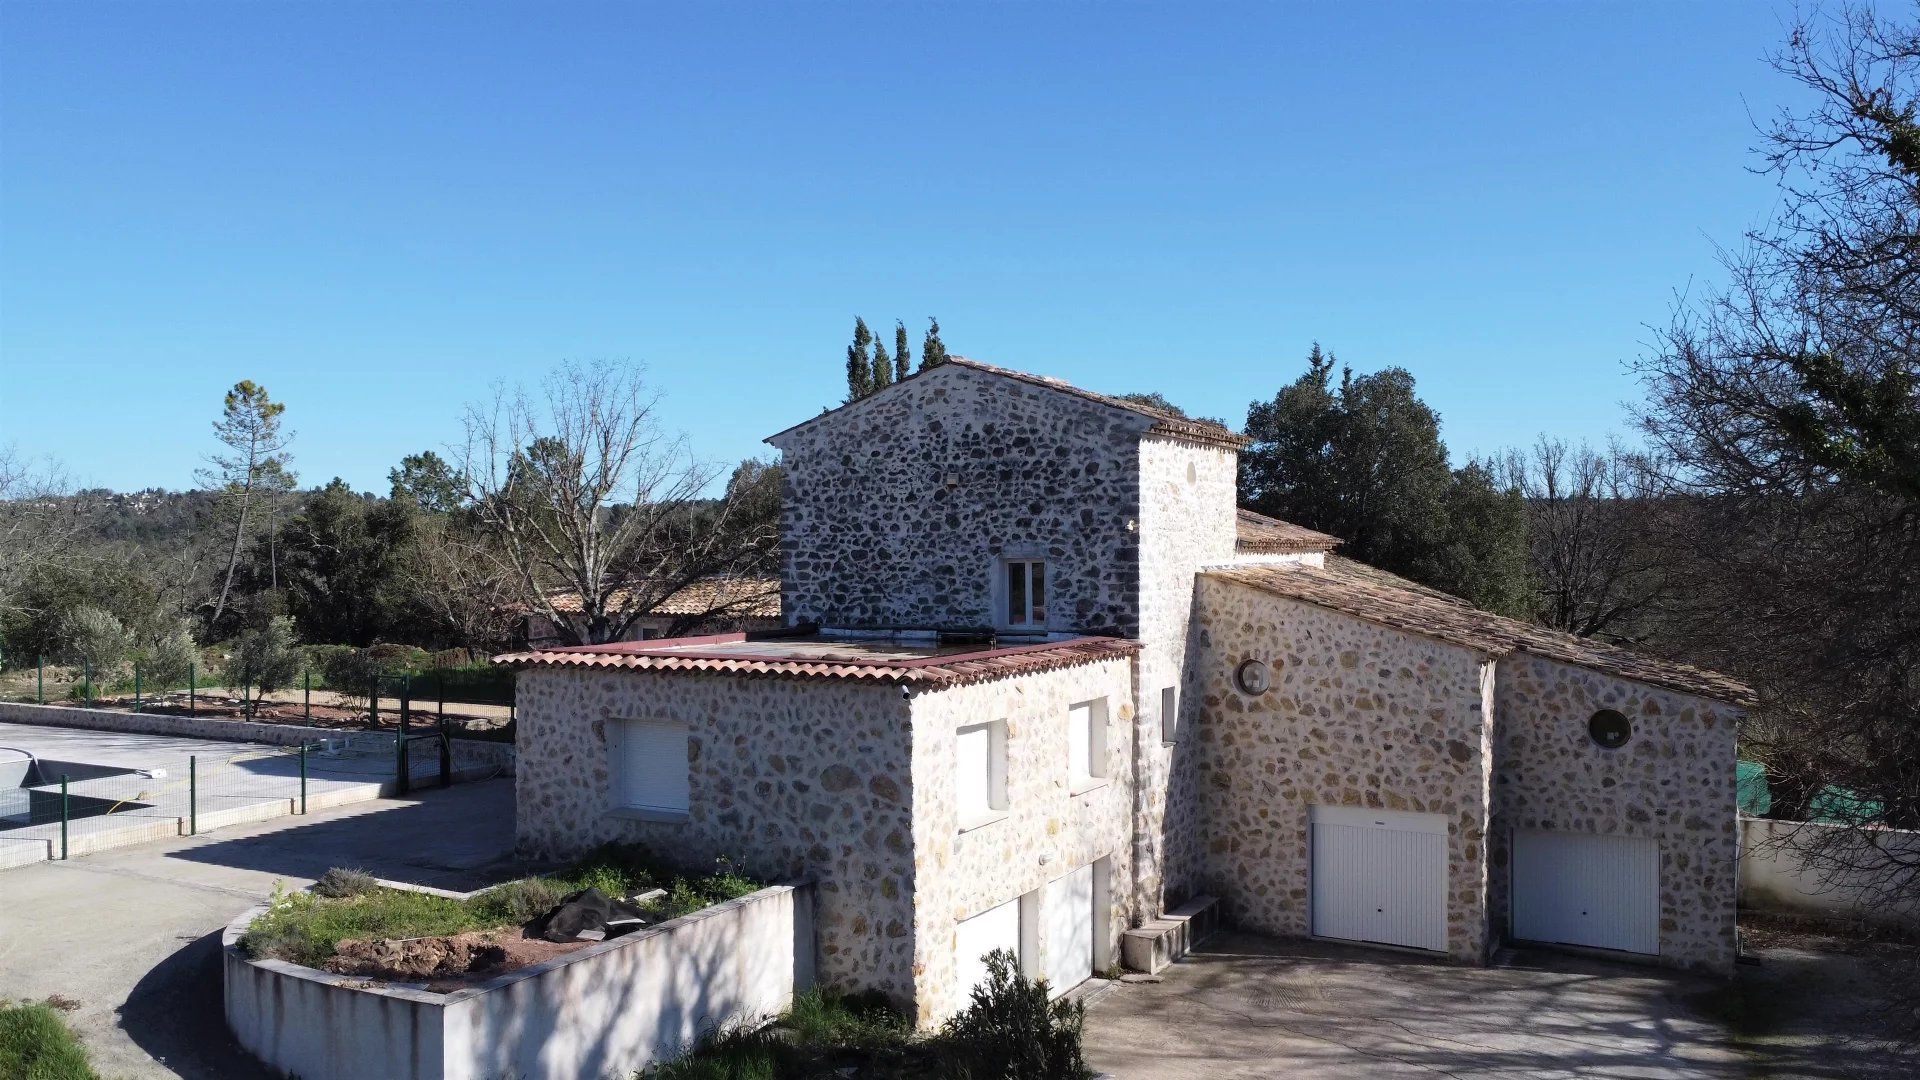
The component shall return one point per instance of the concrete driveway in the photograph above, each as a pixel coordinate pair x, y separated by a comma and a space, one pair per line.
1246, 1006
134, 935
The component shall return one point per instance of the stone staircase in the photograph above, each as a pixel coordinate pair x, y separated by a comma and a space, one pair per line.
1154, 944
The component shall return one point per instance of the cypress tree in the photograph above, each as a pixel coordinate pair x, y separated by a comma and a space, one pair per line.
933, 351
900, 353
882, 367
859, 364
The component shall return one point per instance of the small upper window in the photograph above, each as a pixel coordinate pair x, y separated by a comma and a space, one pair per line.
1026, 592
980, 773
1609, 728
1086, 744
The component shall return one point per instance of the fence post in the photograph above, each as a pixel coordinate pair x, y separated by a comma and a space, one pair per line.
246, 698
440, 684
136, 688
446, 752
303, 779
306, 697
373, 703
40, 682
193, 670
193, 795
404, 780
63, 817
86, 675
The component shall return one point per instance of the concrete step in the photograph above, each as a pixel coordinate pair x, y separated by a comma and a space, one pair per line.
1154, 944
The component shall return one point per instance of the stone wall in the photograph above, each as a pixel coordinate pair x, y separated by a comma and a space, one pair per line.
1187, 497
1358, 715
898, 509
1674, 780
792, 778
1047, 829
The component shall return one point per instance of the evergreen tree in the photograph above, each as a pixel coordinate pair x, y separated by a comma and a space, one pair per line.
882, 367
859, 364
1363, 460
900, 353
933, 351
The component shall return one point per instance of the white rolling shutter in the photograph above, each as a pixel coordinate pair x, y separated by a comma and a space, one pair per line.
1066, 910
996, 928
973, 773
1587, 889
1079, 740
650, 765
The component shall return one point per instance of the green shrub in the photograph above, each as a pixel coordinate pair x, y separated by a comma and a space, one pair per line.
265, 657
36, 1044
1011, 1031
167, 659
341, 882
519, 901
89, 635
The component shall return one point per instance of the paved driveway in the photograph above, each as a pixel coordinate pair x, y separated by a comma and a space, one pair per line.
133, 935
1248, 1006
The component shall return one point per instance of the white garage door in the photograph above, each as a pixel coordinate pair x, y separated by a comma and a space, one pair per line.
1380, 876
1066, 913
1584, 889
997, 928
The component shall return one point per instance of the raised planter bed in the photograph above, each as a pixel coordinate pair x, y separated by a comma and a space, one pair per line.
608, 1009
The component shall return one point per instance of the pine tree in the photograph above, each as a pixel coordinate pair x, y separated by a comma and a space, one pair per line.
900, 353
859, 364
933, 351
882, 367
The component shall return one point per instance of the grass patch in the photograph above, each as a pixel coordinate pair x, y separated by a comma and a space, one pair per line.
36, 1044
307, 927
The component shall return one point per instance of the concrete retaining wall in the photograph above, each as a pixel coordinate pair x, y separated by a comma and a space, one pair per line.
468, 753
1778, 873
606, 1010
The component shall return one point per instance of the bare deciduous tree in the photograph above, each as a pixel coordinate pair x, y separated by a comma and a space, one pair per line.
1595, 570
580, 492
41, 521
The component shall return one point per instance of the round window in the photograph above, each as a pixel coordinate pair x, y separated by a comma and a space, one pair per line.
1253, 677
1610, 729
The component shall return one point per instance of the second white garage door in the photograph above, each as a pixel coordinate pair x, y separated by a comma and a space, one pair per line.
1586, 889
1066, 911
1380, 876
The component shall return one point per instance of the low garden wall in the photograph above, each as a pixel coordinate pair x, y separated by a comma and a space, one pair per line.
1775, 874
468, 753
609, 1009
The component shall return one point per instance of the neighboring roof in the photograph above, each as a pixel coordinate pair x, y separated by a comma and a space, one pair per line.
1260, 534
1164, 422
814, 657
745, 597
1369, 594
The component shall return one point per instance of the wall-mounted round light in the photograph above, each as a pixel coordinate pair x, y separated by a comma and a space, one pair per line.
1609, 728
1253, 677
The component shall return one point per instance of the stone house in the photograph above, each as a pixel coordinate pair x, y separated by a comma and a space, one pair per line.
1043, 684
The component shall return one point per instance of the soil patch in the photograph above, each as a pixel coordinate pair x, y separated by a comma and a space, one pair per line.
446, 962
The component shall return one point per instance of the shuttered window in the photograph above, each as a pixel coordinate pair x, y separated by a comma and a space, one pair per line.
649, 765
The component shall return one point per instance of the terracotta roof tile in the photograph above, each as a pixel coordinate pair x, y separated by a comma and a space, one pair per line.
1436, 615
812, 658
1258, 533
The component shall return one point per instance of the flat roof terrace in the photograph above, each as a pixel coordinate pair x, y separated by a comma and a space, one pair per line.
827, 656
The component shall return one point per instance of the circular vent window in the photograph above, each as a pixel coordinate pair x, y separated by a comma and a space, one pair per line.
1610, 729
1253, 677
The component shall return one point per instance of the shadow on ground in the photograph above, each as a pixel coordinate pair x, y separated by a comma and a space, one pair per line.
1247, 1006
176, 1014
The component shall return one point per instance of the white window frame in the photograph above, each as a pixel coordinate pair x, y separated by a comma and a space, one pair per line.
1095, 737
995, 808
1031, 616
670, 799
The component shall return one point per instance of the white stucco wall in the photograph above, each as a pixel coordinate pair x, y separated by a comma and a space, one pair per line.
1811, 868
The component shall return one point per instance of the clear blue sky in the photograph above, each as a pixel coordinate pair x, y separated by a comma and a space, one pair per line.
378, 211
